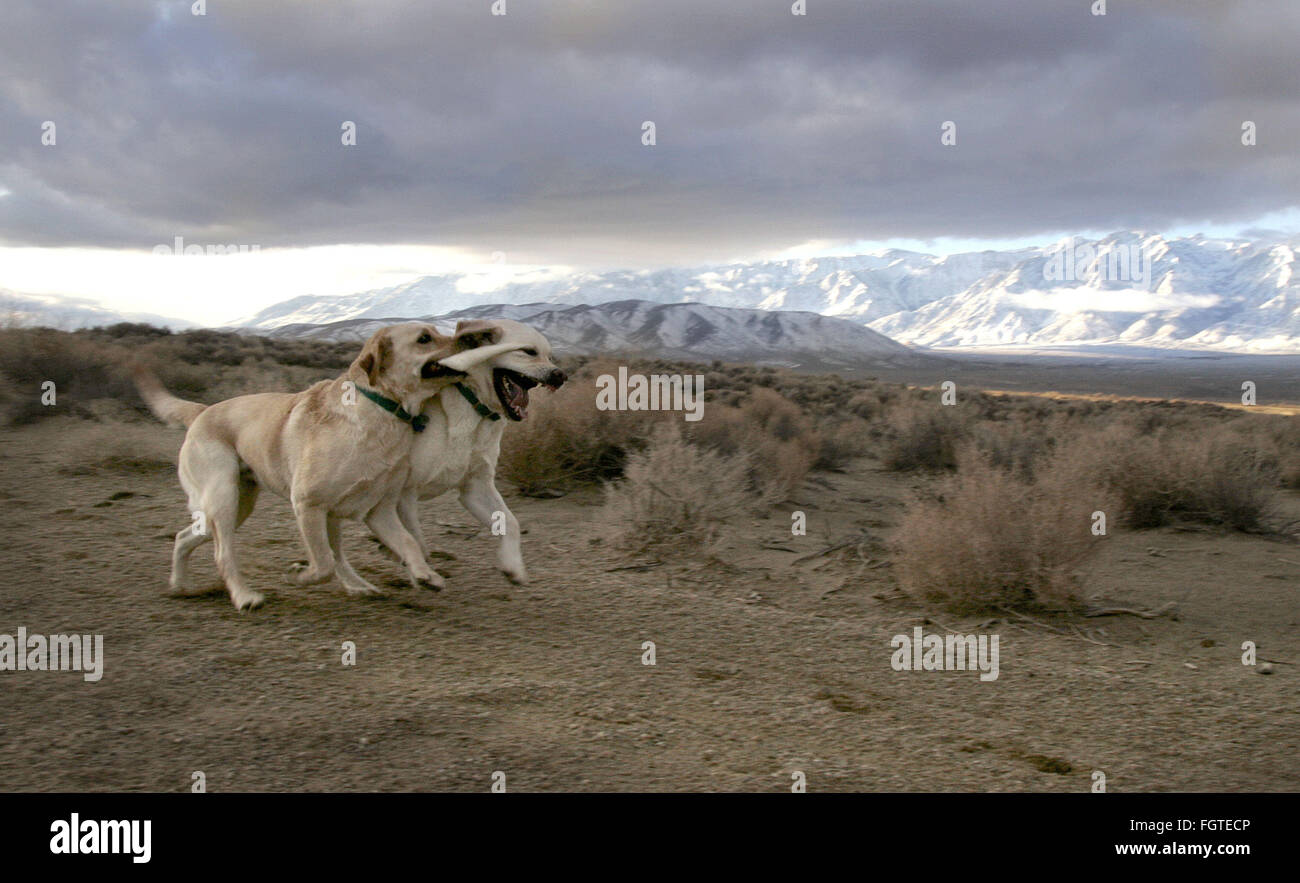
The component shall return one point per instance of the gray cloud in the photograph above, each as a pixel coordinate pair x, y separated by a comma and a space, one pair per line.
522, 133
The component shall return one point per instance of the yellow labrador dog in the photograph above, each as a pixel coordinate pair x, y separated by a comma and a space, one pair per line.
501, 360
341, 449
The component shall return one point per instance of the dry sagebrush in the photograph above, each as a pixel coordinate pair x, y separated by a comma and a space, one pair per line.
674, 496
993, 536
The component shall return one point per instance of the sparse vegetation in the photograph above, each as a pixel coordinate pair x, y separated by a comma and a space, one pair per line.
87, 366
923, 436
992, 536
773, 435
81, 368
1006, 483
568, 441
674, 494
1221, 477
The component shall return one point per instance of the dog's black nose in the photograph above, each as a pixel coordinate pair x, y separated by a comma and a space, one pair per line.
556, 379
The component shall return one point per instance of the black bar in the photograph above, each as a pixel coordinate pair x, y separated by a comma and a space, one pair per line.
304, 831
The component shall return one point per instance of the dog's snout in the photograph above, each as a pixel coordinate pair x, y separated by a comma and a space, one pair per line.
556, 379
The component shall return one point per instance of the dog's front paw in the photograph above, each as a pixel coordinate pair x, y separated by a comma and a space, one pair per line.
247, 600
516, 575
363, 589
432, 581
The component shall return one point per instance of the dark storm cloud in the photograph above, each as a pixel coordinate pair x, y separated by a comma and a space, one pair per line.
522, 133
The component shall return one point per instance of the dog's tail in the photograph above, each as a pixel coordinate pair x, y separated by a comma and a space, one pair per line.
165, 406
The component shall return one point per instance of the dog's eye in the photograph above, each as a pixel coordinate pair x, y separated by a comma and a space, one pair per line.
426, 337
530, 352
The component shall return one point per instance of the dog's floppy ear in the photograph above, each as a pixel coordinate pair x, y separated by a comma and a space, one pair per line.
472, 333
376, 357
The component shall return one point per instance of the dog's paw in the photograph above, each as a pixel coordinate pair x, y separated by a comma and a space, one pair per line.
516, 575
247, 600
301, 574
432, 581
363, 589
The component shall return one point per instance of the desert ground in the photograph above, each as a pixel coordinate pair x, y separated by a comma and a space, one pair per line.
772, 651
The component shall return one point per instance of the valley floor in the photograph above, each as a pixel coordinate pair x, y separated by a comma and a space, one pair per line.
1111, 371
767, 661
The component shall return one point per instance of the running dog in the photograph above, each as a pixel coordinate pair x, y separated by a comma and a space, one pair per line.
341, 449
501, 361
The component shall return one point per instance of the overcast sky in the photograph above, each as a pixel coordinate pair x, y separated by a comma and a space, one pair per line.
522, 134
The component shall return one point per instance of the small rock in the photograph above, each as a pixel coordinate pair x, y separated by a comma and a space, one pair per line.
1265, 668
1189, 665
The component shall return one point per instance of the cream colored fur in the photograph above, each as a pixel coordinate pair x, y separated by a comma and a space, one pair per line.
333, 453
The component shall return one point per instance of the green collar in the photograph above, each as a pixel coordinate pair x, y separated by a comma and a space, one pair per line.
483, 410
417, 421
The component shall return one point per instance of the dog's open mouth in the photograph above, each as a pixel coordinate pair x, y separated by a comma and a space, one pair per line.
512, 391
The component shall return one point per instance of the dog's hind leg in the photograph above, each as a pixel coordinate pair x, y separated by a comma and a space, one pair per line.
352, 581
408, 510
187, 541
383, 520
210, 473
193, 476
248, 490
192, 537
313, 524
221, 506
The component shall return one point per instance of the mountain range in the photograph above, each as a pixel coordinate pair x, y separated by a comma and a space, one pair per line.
681, 330
71, 313
1127, 289
1141, 290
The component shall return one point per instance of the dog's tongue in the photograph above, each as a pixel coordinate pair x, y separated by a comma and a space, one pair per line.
518, 396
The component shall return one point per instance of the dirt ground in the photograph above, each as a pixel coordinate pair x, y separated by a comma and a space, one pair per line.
767, 662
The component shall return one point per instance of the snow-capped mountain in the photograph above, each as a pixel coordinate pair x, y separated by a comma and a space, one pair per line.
1192, 292
682, 330
1128, 288
71, 313
864, 287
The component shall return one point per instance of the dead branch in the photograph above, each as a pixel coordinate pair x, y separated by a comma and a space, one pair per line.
1051, 628
1144, 614
1078, 632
